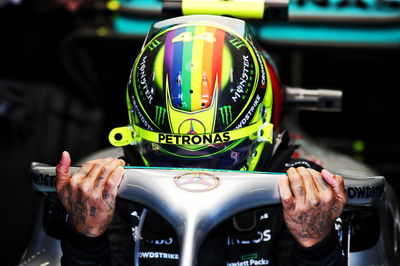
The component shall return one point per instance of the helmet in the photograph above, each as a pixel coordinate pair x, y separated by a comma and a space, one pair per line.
200, 95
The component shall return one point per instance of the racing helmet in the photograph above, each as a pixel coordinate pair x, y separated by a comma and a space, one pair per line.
200, 94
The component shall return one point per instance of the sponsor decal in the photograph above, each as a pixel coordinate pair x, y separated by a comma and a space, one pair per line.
226, 114
244, 85
261, 63
160, 115
249, 114
262, 236
135, 230
148, 92
135, 233
339, 228
365, 192
193, 139
264, 216
154, 45
135, 214
191, 126
249, 262
168, 241
44, 180
250, 256
140, 115
158, 255
237, 43
298, 164
197, 181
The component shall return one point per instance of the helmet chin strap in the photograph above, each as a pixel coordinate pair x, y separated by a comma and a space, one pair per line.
263, 151
265, 132
122, 136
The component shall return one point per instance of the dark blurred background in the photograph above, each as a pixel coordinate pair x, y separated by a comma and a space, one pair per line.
63, 72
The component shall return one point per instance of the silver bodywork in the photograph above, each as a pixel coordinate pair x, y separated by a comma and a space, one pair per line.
43, 249
194, 201
385, 252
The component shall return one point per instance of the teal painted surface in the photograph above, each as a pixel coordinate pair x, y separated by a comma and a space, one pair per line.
372, 8
290, 32
141, 3
125, 25
372, 35
293, 32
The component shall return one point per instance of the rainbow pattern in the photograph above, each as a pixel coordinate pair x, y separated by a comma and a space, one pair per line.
193, 61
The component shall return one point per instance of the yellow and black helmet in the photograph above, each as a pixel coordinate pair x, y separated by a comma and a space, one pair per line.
199, 95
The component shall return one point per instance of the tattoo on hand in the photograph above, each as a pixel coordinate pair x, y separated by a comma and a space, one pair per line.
108, 199
80, 208
97, 184
313, 226
83, 212
93, 211
301, 191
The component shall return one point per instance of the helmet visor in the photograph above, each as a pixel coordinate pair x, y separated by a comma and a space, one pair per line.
227, 155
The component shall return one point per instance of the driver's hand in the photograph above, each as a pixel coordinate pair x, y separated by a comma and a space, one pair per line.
89, 195
312, 201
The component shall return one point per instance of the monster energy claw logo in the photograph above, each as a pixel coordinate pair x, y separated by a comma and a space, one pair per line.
226, 114
160, 115
237, 43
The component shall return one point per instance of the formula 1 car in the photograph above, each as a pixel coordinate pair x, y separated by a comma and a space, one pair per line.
369, 227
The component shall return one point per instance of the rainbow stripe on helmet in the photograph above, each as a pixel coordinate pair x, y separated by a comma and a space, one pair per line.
192, 76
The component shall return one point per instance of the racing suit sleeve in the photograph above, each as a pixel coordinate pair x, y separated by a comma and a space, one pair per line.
114, 247
288, 252
327, 252
82, 250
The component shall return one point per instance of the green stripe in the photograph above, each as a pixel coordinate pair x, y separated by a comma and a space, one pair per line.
186, 75
250, 256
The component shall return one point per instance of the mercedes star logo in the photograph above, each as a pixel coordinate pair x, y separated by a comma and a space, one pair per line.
197, 181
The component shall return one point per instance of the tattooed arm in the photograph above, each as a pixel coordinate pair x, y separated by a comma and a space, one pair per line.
89, 195
312, 201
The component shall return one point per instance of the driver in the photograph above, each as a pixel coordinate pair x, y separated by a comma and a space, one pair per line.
202, 94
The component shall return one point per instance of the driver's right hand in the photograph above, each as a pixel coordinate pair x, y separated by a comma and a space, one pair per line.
89, 194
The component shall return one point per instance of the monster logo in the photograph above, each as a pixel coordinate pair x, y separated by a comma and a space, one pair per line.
154, 45
237, 43
226, 114
160, 115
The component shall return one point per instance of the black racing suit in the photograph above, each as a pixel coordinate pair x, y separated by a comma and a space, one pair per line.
256, 237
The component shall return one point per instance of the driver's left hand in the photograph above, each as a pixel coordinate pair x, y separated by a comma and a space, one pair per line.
312, 201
